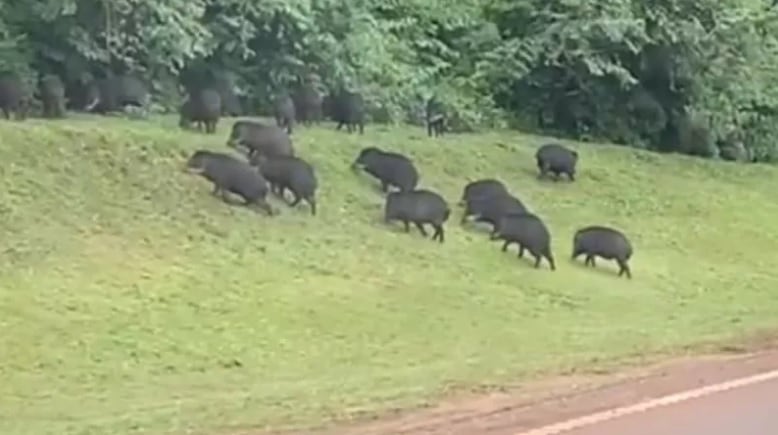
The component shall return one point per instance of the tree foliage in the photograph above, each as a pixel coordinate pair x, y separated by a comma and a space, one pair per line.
694, 76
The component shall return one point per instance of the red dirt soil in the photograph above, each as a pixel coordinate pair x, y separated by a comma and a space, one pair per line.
549, 401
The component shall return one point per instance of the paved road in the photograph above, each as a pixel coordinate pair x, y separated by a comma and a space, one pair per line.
749, 410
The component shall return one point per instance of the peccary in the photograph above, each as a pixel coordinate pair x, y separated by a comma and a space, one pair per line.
258, 138
203, 108
308, 104
392, 169
116, 92
225, 83
347, 108
52, 94
604, 242
418, 207
229, 174
490, 209
285, 113
435, 117
480, 188
529, 232
556, 159
13, 97
291, 173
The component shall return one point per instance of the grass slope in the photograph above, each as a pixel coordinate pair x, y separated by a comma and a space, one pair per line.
131, 301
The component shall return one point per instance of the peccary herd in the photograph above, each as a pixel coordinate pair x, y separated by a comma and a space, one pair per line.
271, 166
204, 104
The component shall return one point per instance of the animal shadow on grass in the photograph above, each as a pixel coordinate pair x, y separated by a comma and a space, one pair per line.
235, 201
604, 267
548, 178
528, 258
473, 227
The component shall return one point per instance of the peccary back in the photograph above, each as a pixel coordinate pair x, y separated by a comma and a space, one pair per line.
116, 92
418, 207
435, 117
229, 174
257, 138
308, 104
348, 109
293, 173
600, 241
529, 232
202, 107
52, 93
13, 97
482, 188
556, 159
392, 169
285, 113
490, 209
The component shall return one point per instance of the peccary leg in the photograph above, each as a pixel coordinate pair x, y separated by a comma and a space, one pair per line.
296, 200
407, 226
384, 186
263, 204
438, 233
420, 226
505, 245
312, 203
537, 261
550, 259
624, 269
521, 250
589, 260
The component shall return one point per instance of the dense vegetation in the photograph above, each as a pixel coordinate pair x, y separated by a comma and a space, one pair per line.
695, 76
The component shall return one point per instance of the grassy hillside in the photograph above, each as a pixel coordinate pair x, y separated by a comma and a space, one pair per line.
131, 301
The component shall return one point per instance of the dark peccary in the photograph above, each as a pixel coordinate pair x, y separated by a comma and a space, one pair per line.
529, 232
308, 103
418, 207
13, 97
435, 117
291, 173
52, 94
224, 83
328, 107
348, 108
483, 187
260, 139
204, 108
114, 93
391, 169
490, 209
608, 243
556, 159
230, 175
285, 115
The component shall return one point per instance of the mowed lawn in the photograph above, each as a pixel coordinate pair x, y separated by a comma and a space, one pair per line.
132, 301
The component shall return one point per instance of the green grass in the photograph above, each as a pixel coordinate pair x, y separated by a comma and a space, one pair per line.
131, 301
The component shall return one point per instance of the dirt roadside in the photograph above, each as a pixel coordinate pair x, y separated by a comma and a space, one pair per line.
513, 410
